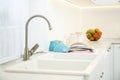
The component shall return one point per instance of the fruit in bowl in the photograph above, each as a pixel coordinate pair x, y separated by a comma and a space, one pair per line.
93, 34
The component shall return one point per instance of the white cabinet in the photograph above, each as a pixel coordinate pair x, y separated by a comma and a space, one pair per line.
98, 72
116, 52
108, 64
112, 63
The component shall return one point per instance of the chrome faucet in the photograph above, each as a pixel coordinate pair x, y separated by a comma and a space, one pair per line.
27, 52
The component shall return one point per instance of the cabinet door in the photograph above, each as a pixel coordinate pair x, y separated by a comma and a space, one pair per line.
108, 64
98, 71
117, 62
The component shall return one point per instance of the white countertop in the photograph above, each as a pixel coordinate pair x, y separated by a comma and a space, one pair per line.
100, 45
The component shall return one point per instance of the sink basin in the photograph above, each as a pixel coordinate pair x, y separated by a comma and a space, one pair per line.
67, 64
52, 66
62, 65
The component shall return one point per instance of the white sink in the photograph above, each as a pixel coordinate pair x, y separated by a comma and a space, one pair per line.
73, 64
51, 66
62, 65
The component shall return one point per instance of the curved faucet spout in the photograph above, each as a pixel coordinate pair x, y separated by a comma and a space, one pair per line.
27, 53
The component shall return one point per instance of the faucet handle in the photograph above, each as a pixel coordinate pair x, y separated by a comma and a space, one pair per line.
33, 49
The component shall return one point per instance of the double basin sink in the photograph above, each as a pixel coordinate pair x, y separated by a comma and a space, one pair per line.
58, 63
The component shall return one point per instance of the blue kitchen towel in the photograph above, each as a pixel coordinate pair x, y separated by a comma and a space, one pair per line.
61, 48
53, 44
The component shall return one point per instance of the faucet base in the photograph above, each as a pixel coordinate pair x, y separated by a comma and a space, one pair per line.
26, 55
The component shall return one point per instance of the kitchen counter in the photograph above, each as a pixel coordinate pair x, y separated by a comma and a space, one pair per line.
99, 46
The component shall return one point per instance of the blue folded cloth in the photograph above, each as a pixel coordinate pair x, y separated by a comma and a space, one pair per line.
61, 48
58, 46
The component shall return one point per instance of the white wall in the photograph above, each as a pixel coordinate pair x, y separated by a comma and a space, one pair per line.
38, 28
107, 19
56, 13
80, 19
66, 19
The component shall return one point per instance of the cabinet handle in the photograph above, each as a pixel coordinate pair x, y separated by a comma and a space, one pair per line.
102, 75
108, 49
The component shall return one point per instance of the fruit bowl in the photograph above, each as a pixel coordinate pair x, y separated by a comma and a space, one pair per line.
93, 34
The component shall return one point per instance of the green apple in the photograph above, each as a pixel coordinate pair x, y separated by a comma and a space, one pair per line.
89, 35
92, 31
